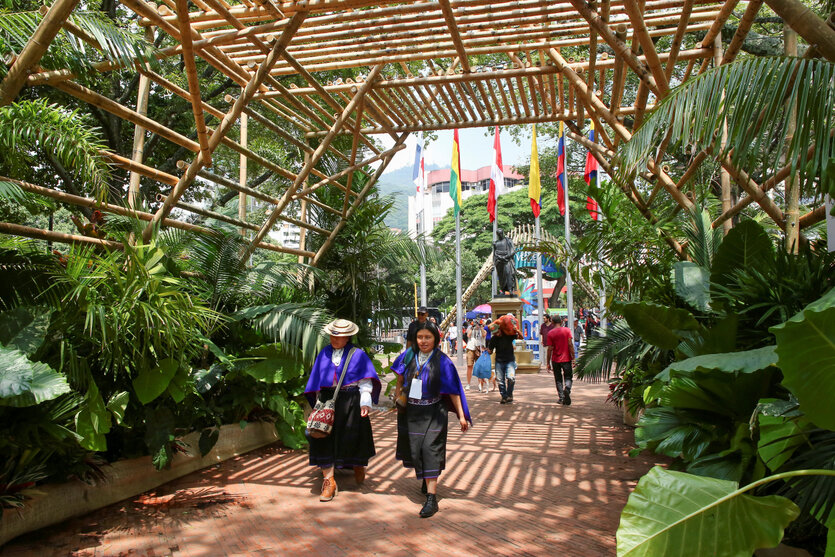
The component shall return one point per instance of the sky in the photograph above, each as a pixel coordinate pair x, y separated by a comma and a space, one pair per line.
476, 149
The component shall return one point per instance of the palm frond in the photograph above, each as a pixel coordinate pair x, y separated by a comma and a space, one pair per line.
27, 126
298, 327
117, 45
607, 356
756, 97
703, 240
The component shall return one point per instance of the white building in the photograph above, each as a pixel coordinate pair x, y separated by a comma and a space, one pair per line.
437, 201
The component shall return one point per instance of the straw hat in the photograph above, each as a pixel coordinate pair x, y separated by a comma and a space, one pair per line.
341, 328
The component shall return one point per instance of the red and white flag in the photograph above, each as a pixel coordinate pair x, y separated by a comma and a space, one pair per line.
496, 177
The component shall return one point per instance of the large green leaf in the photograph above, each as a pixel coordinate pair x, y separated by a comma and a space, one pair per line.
692, 284
779, 439
27, 383
673, 513
150, 383
747, 246
748, 361
806, 351
24, 328
117, 405
658, 325
277, 365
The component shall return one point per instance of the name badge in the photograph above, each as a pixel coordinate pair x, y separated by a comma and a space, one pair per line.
416, 390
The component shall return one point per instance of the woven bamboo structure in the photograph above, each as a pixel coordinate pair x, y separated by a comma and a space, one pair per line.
256, 43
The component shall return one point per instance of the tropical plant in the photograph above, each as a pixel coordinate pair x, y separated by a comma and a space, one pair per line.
758, 137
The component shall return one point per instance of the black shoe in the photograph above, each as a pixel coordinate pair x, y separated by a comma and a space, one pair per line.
509, 399
423, 487
559, 401
430, 507
567, 398
503, 401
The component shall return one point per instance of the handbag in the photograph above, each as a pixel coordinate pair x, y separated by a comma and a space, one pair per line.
320, 421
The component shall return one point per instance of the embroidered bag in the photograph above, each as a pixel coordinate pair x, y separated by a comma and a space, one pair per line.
320, 421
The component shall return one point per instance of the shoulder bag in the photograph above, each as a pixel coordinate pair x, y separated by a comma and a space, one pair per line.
320, 422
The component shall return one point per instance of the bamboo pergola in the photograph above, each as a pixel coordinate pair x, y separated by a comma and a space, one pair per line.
256, 43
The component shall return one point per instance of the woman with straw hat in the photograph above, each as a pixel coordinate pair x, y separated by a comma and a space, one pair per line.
350, 444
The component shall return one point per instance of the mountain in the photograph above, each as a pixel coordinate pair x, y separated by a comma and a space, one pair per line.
398, 183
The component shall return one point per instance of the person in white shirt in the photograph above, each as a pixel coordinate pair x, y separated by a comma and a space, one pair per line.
452, 335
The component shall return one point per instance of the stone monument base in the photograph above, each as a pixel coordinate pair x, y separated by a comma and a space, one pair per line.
524, 357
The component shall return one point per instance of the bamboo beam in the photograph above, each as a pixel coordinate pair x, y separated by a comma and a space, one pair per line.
373, 180
792, 224
636, 16
225, 125
242, 171
716, 29
138, 169
449, 16
686, 9
741, 31
138, 151
51, 236
618, 46
315, 157
34, 49
596, 105
211, 214
813, 217
753, 189
619, 78
470, 123
193, 81
348, 171
724, 177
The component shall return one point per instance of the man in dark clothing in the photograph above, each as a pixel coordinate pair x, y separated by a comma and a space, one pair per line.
502, 341
411, 334
562, 354
544, 329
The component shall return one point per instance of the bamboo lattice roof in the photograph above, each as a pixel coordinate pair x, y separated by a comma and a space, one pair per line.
258, 43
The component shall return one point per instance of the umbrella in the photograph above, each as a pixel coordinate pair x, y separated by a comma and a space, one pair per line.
483, 308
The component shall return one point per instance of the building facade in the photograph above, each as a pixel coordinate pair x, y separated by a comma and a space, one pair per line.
436, 202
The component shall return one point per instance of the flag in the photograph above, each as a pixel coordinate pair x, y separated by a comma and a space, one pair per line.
534, 188
455, 175
496, 177
590, 175
561, 170
418, 174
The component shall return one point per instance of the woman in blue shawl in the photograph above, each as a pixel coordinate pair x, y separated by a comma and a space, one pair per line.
428, 387
350, 444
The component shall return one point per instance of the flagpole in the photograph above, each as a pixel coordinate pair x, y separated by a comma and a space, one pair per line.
423, 251
539, 301
458, 309
568, 283
495, 228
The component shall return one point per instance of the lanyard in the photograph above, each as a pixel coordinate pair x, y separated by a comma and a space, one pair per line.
419, 368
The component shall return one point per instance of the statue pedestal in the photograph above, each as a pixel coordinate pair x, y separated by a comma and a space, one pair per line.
524, 357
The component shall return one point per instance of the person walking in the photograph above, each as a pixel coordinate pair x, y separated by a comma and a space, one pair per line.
452, 335
422, 313
350, 443
562, 354
427, 388
504, 334
578, 334
544, 329
475, 344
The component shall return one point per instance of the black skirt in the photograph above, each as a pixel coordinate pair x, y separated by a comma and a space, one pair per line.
421, 438
351, 442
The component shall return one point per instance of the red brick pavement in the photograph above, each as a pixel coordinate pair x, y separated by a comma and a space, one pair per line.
531, 478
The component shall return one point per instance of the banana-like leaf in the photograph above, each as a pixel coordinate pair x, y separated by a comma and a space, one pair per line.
673, 513
150, 383
692, 284
27, 383
24, 328
779, 439
806, 351
747, 246
658, 325
748, 361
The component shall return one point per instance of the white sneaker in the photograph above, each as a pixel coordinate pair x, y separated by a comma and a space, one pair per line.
466, 387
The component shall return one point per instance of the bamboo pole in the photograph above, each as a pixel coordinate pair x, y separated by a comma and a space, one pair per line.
373, 180
636, 16
470, 123
138, 151
686, 9
35, 48
619, 79
792, 225
315, 157
211, 214
246, 95
807, 24
138, 169
724, 177
716, 29
348, 171
242, 171
193, 81
741, 31
449, 16
52, 236
813, 217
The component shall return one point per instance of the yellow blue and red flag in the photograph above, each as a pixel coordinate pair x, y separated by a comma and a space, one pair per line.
455, 175
590, 175
534, 186
561, 170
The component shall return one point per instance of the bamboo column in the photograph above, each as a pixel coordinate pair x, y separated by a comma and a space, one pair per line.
138, 152
193, 80
724, 177
35, 48
792, 183
807, 24
303, 214
242, 170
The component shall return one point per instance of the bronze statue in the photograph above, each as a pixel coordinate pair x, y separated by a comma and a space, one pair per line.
503, 252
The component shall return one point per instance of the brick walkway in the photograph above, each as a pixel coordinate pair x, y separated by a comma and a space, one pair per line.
531, 478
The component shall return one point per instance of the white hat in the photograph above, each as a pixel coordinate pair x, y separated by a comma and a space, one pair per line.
341, 328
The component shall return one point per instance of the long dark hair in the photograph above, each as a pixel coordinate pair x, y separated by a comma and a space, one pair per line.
433, 367
432, 328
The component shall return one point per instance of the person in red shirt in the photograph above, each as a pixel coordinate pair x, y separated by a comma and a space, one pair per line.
562, 354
